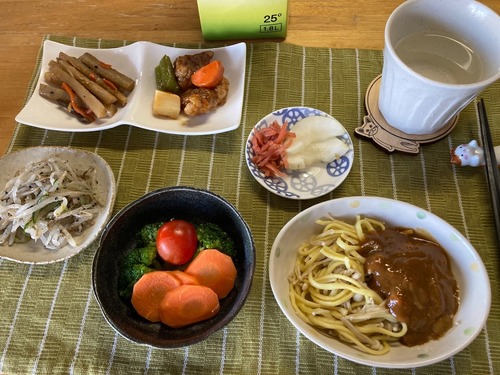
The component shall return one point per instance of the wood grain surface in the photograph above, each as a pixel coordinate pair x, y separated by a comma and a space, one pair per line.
23, 23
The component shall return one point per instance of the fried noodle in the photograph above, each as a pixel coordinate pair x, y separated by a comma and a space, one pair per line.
328, 289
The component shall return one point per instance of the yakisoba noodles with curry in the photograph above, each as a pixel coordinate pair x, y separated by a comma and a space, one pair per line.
370, 285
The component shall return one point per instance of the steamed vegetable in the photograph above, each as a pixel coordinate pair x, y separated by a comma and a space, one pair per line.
129, 275
149, 291
146, 255
184, 278
214, 270
148, 233
140, 260
188, 304
160, 290
211, 236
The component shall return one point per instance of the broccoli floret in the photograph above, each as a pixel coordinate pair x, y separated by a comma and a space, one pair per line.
141, 255
148, 233
129, 276
211, 236
139, 261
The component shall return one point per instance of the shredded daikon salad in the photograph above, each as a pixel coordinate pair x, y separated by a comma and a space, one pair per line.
48, 201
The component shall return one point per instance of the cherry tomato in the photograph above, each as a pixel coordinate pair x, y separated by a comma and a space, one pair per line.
176, 242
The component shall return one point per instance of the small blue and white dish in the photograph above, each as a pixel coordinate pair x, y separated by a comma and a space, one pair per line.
312, 182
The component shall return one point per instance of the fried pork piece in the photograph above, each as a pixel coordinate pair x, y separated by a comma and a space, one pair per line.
198, 100
186, 65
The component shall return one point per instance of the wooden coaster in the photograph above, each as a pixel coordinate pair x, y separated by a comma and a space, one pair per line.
381, 132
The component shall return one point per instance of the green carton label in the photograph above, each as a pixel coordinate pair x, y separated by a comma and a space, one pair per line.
243, 19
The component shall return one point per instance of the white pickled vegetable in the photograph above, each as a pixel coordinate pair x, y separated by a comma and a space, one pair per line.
321, 151
317, 140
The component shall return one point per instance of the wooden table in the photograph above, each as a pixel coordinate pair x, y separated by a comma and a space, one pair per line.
324, 23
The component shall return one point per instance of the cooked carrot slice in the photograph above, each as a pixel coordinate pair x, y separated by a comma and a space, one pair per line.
215, 270
150, 290
208, 76
188, 304
88, 115
184, 278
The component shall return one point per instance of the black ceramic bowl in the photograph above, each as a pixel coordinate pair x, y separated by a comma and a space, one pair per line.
120, 236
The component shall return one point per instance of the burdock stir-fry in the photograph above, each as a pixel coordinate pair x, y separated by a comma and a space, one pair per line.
86, 86
48, 201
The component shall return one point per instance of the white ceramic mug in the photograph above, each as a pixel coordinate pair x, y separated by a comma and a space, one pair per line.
438, 56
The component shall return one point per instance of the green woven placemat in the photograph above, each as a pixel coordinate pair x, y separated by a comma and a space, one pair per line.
51, 323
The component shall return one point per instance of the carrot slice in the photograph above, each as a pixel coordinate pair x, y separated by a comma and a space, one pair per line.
208, 76
184, 278
110, 84
105, 65
188, 304
89, 116
150, 290
215, 270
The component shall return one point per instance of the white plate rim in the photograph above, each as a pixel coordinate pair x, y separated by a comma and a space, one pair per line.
366, 205
138, 60
317, 169
36, 253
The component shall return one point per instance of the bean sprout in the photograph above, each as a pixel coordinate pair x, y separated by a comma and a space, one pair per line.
48, 201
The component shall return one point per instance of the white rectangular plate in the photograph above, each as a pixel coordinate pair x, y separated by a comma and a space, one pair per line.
138, 60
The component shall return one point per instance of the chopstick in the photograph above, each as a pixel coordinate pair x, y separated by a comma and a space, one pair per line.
492, 172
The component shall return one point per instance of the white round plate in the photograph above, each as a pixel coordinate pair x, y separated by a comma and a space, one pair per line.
138, 60
315, 181
34, 252
469, 271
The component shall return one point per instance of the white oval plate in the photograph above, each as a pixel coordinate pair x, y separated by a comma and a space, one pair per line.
469, 270
315, 181
34, 252
138, 60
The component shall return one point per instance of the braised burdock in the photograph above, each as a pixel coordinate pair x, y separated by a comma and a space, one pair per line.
87, 87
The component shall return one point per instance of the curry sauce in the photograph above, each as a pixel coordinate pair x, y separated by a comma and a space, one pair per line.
415, 277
